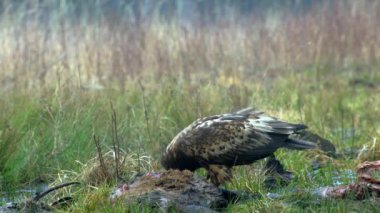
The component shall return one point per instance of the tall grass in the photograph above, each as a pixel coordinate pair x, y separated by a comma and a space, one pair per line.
39, 50
59, 75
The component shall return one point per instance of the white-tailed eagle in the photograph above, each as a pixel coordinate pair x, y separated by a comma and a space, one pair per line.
220, 142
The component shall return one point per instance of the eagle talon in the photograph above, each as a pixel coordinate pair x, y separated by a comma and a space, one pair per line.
276, 174
219, 174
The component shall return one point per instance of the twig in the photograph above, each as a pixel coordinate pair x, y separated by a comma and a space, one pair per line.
115, 141
38, 196
100, 156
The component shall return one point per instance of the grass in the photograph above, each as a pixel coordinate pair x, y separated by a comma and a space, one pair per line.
57, 88
45, 134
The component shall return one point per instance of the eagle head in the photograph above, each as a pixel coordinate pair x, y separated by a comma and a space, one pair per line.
166, 160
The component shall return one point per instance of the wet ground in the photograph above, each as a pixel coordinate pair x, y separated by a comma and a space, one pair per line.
22, 193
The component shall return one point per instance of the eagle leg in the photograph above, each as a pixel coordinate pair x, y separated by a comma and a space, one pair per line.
276, 174
219, 174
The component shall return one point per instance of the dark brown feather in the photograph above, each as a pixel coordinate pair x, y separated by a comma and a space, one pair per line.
230, 139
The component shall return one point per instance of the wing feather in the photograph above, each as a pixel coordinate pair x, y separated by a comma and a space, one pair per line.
237, 138
233, 139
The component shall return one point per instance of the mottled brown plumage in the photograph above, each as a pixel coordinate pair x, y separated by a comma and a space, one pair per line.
220, 142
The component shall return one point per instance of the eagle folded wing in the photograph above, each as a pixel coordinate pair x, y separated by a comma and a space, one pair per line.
231, 141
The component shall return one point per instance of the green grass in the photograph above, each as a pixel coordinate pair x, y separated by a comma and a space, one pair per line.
46, 132
161, 76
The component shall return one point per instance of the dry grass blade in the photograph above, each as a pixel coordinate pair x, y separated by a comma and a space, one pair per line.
100, 157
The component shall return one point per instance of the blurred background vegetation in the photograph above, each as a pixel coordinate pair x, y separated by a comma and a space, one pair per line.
164, 63
109, 41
